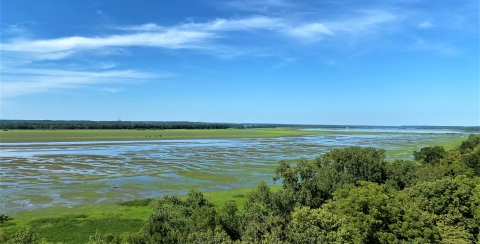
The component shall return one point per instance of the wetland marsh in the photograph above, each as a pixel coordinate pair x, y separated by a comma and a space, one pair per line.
71, 173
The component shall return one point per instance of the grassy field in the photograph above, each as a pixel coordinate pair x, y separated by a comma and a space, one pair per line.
453, 142
77, 224
98, 135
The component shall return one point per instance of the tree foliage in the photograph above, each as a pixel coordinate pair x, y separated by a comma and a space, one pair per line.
469, 144
311, 183
472, 160
25, 236
429, 155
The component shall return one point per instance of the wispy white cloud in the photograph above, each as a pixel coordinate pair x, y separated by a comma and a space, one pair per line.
305, 30
169, 39
31, 81
112, 89
425, 25
309, 32
14, 30
46, 55
107, 65
283, 63
101, 14
144, 27
103, 74
208, 37
250, 23
199, 36
364, 23
444, 48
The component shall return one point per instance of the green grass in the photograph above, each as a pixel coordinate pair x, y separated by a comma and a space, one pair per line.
238, 195
78, 229
96, 135
77, 224
449, 143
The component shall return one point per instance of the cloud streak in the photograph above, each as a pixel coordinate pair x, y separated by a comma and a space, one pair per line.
33, 81
169, 39
211, 37
426, 25
193, 35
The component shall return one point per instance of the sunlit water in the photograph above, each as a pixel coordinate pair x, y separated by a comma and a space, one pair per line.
35, 175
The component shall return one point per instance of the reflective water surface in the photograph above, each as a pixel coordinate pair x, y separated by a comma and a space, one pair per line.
42, 174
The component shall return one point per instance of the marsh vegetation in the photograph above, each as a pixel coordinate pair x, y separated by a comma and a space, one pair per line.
83, 186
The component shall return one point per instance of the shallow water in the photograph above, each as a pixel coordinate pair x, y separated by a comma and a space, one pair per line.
42, 174
392, 130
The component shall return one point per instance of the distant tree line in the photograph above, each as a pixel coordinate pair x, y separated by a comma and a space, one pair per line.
349, 195
117, 125
164, 125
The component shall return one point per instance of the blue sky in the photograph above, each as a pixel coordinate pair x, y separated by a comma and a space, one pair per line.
401, 62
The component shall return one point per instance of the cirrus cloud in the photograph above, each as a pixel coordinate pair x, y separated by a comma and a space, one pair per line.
21, 78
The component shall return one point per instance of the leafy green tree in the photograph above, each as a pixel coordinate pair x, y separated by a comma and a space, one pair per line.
320, 226
130, 238
217, 236
169, 221
356, 163
229, 220
99, 238
468, 145
366, 213
451, 165
262, 228
280, 203
413, 225
475, 206
196, 199
203, 219
311, 183
4, 218
173, 218
472, 160
429, 155
264, 217
401, 174
25, 236
368, 208
300, 184
451, 202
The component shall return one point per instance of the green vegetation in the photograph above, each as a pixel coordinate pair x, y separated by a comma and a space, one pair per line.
83, 221
349, 195
102, 135
137, 202
114, 125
